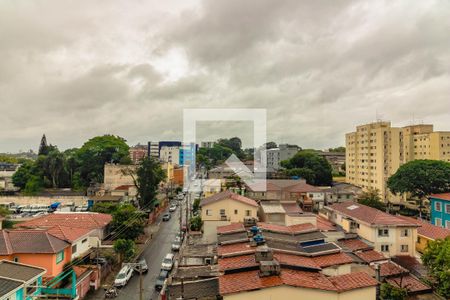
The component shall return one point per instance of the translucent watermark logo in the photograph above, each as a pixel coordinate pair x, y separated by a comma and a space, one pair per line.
254, 178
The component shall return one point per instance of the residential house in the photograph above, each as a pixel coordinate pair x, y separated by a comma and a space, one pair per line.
127, 192
440, 210
427, 232
97, 224
292, 262
35, 247
288, 190
212, 186
20, 281
388, 234
283, 213
340, 192
225, 208
7, 171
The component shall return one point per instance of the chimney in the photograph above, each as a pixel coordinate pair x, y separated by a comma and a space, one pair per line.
263, 253
269, 268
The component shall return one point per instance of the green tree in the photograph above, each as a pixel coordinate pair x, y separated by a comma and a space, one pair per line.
390, 292
23, 174
53, 165
127, 222
372, 198
437, 259
125, 249
316, 164
270, 145
4, 158
34, 186
97, 151
421, 178
105, 208
337, 149
196, 204
195, 223
147, 178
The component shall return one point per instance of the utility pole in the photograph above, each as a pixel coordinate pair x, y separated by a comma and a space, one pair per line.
141, 290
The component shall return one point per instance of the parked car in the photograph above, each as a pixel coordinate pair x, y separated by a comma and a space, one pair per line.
176, 245
180, 236
124, 276
160, 280
143, 265
167, 262
172, 208
166, 217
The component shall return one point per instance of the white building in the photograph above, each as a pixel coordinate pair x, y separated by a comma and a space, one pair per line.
275, 156
170, 154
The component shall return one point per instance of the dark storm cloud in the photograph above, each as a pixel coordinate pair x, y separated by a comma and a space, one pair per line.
74, 69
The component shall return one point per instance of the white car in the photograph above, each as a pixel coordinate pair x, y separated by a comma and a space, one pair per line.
172, 208
167, 263
124, 276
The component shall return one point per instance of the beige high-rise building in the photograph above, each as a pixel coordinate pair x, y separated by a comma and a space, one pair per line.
376, 150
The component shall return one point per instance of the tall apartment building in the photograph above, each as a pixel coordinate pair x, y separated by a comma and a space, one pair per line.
138, 153
376, 150
275, 156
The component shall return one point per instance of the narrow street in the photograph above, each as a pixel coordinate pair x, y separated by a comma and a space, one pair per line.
158, 247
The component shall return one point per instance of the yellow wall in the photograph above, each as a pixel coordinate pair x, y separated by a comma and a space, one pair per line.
288, 293
422, 243
229, 205
375, 152
370, 233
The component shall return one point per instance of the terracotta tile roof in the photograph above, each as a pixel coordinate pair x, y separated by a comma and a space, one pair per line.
328, 260
68, 234
292, 209
235, 249
250, 280
18, 271
353, 281
428, 230
354, 244
370, 256
368, 214
293, 229
411, 264
443, 196
233, 227
276, 185
123, 187
295, 260
237, 262
73, 220
409, 282
390, 269
246, 281
228, 195
29, 241
324, 225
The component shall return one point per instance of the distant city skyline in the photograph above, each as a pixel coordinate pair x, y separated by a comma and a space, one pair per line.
76, 69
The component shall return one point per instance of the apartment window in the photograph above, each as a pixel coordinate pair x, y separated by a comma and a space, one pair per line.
248, 213
404, 248
16, 259
418, 239
383, 232
437, 206
447, 224
404, 232
74, 249
438, 222
235, 211
222, 212
59, 256
384, 248
447, 208
208, 212
84, 241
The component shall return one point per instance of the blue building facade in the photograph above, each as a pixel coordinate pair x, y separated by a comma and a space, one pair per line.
440, 210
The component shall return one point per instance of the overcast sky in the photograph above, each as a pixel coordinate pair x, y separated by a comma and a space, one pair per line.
76, 69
